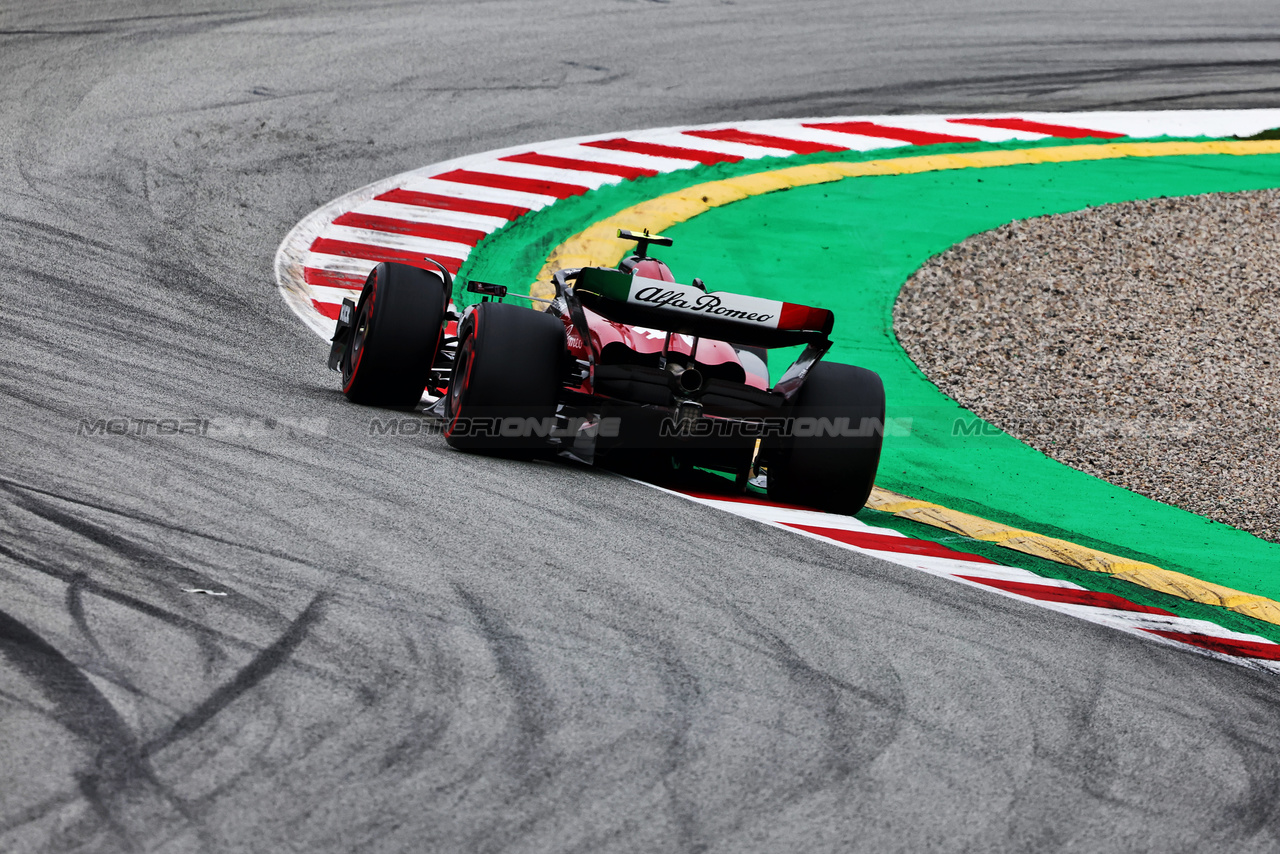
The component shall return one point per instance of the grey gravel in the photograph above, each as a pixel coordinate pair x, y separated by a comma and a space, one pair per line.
1136, 342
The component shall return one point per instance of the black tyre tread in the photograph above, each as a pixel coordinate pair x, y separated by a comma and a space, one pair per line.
516, 370
405, 325
833, 473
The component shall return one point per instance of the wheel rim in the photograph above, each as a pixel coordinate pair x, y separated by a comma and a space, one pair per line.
458, 383
358, 335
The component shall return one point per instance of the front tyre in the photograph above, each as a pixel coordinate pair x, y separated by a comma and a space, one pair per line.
506, 382
830, 460
396, 335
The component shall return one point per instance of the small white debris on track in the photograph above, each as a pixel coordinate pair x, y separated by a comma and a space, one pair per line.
1136, 342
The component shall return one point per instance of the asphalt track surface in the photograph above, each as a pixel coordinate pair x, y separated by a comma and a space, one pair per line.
421, 650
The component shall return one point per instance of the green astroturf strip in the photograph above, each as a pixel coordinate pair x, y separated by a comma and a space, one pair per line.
850, 245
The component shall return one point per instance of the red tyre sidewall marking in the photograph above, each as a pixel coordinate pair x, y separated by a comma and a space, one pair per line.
372, 284
466, 379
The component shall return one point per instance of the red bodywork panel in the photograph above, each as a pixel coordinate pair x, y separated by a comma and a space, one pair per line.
607, 336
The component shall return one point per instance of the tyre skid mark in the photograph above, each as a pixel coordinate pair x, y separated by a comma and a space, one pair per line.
1199, 636
213, 641
38, 811
75, 608
121, 787
120, 773
170, 575
104, 591
516, 669
827, 692
262, 665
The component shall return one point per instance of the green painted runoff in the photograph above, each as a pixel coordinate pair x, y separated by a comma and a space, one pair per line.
850, 245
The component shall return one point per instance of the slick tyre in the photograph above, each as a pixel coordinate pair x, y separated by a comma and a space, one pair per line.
506, 382
830, 460
398, 325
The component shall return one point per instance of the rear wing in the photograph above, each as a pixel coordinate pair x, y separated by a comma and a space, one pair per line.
740, 319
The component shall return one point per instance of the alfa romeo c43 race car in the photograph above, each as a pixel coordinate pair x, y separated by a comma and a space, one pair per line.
624, 367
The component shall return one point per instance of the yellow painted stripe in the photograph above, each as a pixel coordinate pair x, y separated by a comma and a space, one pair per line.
1060, 551
598, 245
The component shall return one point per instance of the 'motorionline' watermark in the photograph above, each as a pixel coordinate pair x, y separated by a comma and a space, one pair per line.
220, 427
493, 427
244, 427
143, 427
799, 427
1120, 428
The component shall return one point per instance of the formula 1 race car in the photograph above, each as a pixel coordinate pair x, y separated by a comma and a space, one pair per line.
624, 367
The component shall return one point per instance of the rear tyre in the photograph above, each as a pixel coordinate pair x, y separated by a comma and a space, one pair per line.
831, 472
396, 335
507, 378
